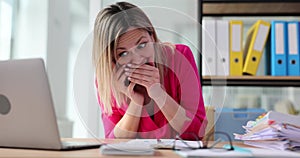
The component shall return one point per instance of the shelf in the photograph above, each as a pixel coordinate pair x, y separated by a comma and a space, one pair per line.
262, 81
234, 8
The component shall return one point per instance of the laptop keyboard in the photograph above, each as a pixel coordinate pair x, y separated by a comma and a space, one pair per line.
79, 145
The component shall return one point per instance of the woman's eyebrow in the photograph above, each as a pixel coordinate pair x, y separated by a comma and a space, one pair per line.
121, 48
138, 41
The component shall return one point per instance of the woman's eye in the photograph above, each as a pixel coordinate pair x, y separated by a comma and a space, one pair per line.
142, 45
122, 54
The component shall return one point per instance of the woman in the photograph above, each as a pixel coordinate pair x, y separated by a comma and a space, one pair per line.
146, 89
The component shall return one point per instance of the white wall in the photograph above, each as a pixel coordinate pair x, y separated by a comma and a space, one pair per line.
30, 34
6, 18
57, 59
84, 109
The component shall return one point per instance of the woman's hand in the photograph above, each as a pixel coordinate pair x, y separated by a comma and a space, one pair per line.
119, 80
145, 75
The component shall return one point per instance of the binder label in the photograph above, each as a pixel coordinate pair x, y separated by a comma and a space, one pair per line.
236, 38
279, 36
292, 34
260, 39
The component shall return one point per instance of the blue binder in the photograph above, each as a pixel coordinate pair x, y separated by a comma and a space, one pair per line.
278, 48
293, 67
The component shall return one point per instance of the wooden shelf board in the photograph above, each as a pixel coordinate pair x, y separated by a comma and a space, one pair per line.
267, 81
264, 8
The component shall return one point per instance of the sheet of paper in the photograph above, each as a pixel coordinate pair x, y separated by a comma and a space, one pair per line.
127, 148
247, 152
212, 153
166, 143
278, 145
258, 152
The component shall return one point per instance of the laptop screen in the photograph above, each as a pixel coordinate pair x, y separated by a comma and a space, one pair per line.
27, 115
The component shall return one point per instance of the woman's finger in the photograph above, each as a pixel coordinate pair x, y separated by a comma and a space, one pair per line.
144, 66
147, 72
139, 81
140, 76
140, 71
130, 87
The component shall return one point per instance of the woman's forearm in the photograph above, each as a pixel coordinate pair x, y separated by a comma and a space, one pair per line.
174, 113
127, 127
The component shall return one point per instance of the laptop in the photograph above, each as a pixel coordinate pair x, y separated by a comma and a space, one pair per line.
27, 115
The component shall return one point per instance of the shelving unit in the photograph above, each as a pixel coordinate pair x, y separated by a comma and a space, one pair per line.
261, 81
217, 8
247, 92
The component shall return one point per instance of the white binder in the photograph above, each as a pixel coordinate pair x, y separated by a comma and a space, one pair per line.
222, 47
209, 48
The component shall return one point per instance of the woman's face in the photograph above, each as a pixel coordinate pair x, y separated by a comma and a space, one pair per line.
135, 47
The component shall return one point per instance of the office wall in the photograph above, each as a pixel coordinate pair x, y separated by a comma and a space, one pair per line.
6, 18
29, 35
83, 107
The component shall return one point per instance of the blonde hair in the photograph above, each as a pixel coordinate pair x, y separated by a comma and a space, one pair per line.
110, 24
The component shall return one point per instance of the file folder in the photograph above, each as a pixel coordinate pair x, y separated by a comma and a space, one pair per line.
293, 67
235, 47
209, 56
278, 48
222, 37
254, 46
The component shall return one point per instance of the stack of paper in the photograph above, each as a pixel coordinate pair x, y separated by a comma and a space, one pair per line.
128, 148
145, 146
273, 130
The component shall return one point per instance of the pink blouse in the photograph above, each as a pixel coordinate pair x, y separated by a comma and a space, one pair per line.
182, 83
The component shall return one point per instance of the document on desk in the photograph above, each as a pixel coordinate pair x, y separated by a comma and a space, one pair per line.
128, 148
145, 146
259, 152
166, 143
246, 152
212, 153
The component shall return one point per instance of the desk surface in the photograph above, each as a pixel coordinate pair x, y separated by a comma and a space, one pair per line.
87, 153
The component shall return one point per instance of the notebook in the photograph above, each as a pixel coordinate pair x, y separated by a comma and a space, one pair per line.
145, 146
239, 152
127, 148
27, 115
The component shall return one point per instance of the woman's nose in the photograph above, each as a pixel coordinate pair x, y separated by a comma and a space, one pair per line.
137, 58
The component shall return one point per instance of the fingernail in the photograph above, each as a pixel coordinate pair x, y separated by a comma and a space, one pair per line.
126, 69
129, 65
127, 73
129, 78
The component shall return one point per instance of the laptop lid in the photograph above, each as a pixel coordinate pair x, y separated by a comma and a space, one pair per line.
27, 116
